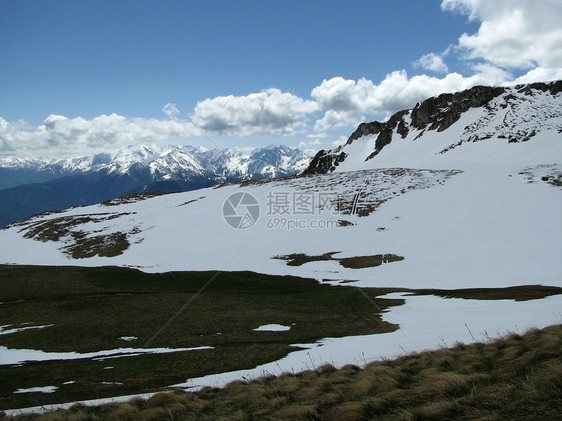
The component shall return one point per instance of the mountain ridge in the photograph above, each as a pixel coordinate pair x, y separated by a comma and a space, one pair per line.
439, 113
171, 159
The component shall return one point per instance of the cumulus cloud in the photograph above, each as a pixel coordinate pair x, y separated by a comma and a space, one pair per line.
433, 62
347, 102
62, 135
171, 110
540, 74
310, 147
271, 112
344, 101
518, 34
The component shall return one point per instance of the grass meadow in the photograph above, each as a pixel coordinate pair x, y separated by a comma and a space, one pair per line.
92, 309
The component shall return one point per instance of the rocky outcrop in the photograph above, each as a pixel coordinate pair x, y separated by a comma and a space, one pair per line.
437, 113
325, 162
554, 87
440, 112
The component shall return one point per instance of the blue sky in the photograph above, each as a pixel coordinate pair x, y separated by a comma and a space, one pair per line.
84, 76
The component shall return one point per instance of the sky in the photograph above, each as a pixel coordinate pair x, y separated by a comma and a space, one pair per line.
79, 77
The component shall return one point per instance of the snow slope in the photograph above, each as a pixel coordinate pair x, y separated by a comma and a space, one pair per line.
489, 223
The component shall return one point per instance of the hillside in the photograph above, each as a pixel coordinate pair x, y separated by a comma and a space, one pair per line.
444, 196
446, 209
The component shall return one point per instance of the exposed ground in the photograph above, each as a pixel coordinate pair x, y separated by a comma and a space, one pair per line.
356, 262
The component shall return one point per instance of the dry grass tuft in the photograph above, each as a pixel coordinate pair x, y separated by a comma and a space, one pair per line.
295, 412
347, 411
433, 411
124, 411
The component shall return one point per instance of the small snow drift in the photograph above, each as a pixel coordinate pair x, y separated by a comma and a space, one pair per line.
272, 328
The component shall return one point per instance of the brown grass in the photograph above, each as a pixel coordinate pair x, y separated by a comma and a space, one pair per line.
517, 377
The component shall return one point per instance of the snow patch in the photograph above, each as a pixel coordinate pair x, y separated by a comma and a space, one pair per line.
272, 328
42, 389
19, 356
6, 330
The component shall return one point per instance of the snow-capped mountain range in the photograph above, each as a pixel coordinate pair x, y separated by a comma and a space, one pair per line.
462, 191
95, 178
171, 161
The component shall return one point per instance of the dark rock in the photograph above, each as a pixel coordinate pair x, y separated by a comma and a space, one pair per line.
552, 87
325, 162
441, 112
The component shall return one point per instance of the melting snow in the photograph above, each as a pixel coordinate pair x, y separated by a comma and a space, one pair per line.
18, 356
426, 322
43, 389
5, 331
480, 215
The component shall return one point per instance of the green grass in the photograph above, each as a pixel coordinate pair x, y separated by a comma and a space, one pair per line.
91, 308
518, 377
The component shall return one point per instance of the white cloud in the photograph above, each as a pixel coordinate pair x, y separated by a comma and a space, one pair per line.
171, 110
347, 102
339, 94
344, 102
517, 34
311, 147
270, 112
60, 135
433, 62
333, 119
339, 142
540, 74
